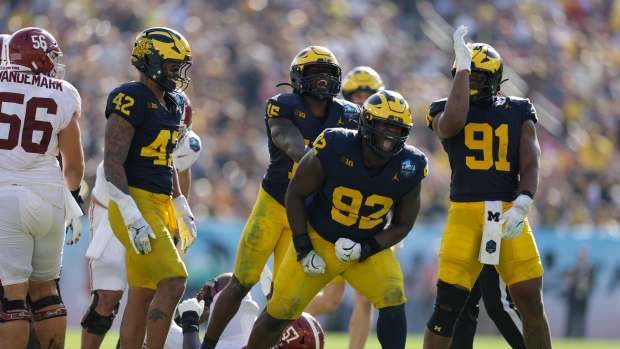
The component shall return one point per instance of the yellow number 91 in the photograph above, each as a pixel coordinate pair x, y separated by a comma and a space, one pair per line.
347, 212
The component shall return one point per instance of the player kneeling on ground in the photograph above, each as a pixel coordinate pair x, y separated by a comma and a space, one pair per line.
353, 179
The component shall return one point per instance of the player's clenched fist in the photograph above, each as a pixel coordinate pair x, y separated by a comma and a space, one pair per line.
348, 250
313, 263
139, 230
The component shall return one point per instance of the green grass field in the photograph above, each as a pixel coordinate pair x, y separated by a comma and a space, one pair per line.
337, 340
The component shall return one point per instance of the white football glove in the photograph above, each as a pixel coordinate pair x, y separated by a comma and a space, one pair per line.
461, 51
348, 250
191, 304
313, 264
185, 221
138, 229
514, 218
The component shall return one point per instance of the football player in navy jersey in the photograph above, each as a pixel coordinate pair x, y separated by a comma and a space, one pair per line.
358, 84
337, 204
494, 156
144, 120
293, 121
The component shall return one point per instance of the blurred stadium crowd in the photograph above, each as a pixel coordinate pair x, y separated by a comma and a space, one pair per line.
563, 54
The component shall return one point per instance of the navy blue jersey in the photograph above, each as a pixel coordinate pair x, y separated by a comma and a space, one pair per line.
354, 200
293, 107
484, 156
149, 161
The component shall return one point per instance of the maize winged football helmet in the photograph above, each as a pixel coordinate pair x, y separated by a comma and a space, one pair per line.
486, 71
361, 79
315, 71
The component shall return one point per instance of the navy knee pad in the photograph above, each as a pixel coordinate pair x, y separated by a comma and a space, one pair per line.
448, 305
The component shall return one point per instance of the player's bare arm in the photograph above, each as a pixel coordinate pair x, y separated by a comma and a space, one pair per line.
529, 158
307, 180
70, 147
449, 123
405, 215
118, 136
176, 185
287, 137
185, 180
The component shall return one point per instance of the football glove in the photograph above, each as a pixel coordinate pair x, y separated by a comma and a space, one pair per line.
347, 250
313, 264
189, 311
74, 229
191, 305
461, 51
514, 218
138, 229
185, 221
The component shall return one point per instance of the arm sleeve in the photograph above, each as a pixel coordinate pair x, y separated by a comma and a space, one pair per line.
126, 103
435, 108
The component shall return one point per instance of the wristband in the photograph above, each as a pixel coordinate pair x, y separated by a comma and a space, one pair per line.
303, 245
189, 321
76, 195
369, 247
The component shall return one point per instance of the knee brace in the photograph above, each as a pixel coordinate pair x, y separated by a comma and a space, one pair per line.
95, 323
14, 310
38, 305
448, 305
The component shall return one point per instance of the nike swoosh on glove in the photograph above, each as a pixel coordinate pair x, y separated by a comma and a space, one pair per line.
347, 250
313, 264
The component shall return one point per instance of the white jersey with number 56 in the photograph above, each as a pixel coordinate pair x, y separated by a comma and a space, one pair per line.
33, 110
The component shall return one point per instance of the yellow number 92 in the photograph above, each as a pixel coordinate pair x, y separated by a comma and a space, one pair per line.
347, 212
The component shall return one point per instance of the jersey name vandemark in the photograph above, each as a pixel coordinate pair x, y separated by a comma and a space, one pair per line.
29, 79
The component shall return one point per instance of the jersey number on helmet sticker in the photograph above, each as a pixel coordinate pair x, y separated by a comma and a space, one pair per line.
346, 204
157, 149
31, 124
122, 102
485, 144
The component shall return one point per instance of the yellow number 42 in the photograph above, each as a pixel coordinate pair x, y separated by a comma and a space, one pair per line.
122, 102
157, 149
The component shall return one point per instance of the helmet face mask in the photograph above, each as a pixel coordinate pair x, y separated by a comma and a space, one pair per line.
385, 123
384, 138
163, 54
316, 72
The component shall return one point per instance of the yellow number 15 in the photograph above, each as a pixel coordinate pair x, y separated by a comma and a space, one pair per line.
485, 144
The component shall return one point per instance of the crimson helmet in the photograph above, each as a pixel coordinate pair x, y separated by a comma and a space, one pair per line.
212, 287
303, 333
36, 50
4, 42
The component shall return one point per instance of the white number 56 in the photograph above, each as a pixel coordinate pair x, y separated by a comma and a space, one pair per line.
38, 41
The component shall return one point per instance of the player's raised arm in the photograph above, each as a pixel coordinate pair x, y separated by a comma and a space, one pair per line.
449, 123
287, 137
70, 147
